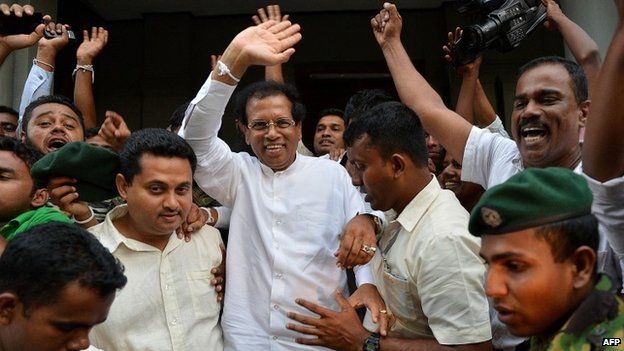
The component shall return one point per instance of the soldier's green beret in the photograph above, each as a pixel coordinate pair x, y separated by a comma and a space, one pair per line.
93, 167
532, 198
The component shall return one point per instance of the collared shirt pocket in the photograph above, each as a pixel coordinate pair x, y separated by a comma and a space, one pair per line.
203, 294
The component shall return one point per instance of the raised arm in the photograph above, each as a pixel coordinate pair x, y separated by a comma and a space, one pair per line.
10, 43
272, 13
83, 87
444, 124
603, 150
581, 45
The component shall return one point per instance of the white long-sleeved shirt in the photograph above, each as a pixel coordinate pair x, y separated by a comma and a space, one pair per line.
284, 229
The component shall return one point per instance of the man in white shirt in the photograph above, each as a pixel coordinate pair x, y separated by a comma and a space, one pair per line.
169, 303
427, 268
288, 210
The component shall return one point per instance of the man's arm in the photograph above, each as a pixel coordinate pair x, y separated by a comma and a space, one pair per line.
272, 13
603, 150
10, 43
444, 124
83, 86
40, 78
581, 45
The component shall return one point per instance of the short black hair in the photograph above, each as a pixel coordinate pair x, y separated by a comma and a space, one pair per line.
363, 101
153, 141
7, 109
391, 127
568, 235
577, 75
175, 121
40, 262
331, 112
50, 99
24, 152
264, 89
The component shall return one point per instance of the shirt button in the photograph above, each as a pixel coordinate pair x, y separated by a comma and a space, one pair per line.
278, 275
278, 222
174, 321
274, 337
276, 306
167, 287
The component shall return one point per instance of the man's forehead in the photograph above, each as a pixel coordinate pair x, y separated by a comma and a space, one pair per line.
9, 160
331, 119
6, 117
518, 244
153, 164
550, 76
53, 108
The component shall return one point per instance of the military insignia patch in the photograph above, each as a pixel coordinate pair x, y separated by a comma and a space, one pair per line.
491, 217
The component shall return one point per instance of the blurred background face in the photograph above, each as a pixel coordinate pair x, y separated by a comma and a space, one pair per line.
16, 186
328, 135
8, 125
467, 193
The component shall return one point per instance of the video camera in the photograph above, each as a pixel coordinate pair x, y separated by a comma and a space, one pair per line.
505, 25
10, 25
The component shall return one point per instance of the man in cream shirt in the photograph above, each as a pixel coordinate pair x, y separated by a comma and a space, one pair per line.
169, 302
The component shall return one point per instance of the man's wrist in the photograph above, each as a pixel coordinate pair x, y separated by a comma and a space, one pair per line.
84, 61
371, 342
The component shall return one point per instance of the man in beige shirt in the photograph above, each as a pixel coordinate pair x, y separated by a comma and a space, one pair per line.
427, 266
169, 303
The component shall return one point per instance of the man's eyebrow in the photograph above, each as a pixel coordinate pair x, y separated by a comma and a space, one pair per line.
501, 256
6, 170
43, 114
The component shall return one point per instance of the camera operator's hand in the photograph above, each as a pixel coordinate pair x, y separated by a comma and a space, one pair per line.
387, 25
11, 43
471, 68
553, 13
49, 48
91, 46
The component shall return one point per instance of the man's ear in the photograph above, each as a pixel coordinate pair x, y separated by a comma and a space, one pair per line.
8, 307
40, 198
584, 108
23, 136
584, 261
122, 186
398, 163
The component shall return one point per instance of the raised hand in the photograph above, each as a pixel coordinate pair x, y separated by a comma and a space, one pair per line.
387, 24
18, 41
91, 46
453, 38
114, 130
274, 14
267, 44
59, 42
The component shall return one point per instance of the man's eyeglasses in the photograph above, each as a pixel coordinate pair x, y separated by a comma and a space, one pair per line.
281, 123
8, 127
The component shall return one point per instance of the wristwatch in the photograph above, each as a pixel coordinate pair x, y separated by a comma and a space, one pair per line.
377, 221
371, 343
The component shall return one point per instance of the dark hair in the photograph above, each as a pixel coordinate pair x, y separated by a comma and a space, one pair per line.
391, 127
363, 101
331, 112
566, 236
175, 121
6, 109
577, 75
40, 262
91, 132
50, 99
24, 152
153, 141
264, 89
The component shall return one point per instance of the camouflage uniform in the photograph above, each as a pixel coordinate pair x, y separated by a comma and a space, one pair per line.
600, 315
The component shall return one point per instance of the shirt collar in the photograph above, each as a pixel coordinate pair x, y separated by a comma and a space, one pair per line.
415, 210
297, 163
111, 238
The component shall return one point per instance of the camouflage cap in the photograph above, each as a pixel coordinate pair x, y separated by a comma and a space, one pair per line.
532, 198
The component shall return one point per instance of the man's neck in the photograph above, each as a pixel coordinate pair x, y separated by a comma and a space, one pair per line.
128, 228
418, 181
570, 160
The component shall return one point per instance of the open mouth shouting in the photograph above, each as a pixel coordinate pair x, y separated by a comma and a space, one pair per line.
533, 133
55, 143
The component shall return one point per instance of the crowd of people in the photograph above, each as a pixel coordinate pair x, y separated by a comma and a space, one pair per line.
407, 226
